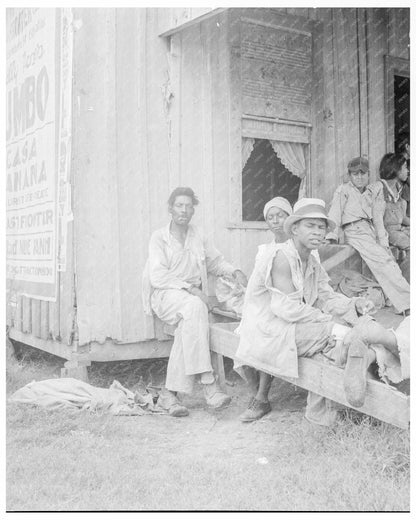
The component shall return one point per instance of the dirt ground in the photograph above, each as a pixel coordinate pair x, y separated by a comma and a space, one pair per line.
208, 461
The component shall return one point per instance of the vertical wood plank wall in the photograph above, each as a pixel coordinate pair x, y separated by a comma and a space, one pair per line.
348, 108
96, 183
152, 113
352, 43
377, 22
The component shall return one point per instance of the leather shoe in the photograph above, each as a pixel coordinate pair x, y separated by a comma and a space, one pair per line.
170, 402
255, 410
214, 397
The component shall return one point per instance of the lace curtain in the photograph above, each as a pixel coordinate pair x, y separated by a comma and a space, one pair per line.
293, 158
248, 145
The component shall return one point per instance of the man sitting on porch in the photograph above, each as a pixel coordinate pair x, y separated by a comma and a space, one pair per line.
290, 310
180, 257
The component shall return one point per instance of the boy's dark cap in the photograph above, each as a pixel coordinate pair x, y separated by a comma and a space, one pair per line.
358, 163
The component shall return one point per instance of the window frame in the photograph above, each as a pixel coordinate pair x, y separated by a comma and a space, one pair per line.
259, 127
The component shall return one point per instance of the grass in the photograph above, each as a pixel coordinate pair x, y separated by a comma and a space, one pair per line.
71, 461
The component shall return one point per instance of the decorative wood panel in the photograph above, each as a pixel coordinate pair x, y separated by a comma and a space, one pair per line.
276, 64
262, 128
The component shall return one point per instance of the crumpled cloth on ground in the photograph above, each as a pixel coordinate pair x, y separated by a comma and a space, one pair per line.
230, 294
70, 393
355, 284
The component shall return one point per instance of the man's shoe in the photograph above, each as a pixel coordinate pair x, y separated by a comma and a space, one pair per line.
214, 397
255, 410
178, 410
170, 402
355, 373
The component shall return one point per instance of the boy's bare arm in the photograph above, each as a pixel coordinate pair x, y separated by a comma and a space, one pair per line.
282, 274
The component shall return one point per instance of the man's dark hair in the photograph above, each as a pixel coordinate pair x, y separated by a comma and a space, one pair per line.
177, 192
390, 166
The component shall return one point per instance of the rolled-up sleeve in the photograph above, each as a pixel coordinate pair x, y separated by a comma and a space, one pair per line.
215, 262
159, 273
333, 303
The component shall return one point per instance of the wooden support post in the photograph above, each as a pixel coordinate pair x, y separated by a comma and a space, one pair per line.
79, 360
10, 353
76, 368
218, 366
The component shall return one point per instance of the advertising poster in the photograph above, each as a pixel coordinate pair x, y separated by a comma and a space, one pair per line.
32, 119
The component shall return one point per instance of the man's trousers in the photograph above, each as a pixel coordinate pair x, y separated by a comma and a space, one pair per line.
190, 354
361, 236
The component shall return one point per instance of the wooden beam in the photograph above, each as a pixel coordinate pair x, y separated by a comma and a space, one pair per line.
339, 257
109, 351
192, 22
382, 401
51, 346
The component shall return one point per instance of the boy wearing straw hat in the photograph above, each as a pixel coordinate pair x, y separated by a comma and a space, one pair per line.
290, 310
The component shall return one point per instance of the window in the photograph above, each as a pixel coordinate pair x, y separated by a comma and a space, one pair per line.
264, 177
275, 161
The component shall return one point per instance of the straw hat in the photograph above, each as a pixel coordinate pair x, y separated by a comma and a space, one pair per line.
308, 208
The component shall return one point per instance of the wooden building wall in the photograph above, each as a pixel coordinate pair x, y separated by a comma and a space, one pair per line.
349, 96
152, 113
348, 114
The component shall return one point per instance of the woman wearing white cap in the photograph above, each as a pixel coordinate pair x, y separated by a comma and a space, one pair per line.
275, 213
290, 310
